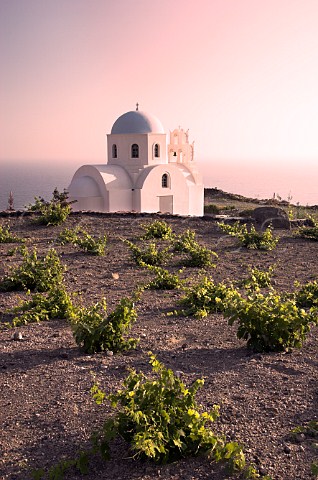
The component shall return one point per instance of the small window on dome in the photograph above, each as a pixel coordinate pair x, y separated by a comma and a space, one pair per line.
114, 151
157, 150
165, 180
135, 151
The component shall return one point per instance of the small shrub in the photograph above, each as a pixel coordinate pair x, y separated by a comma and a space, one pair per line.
68, 235
35, 273
161, 420
95, 331
212, 208
310, 429
251, 239
7, 237
184, 242
157, 229
309, 232
150, 254
206, 297
164, 280
314, 468
307, 295
85, 241
53, 212
55, 304
269, 322
199, 256
258, 279
58, 471
196, 254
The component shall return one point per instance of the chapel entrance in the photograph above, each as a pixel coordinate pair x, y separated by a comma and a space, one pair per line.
166, 204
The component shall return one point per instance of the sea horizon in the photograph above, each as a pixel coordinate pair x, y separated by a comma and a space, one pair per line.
30, 180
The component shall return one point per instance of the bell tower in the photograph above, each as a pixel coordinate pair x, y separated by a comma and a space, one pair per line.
179, 148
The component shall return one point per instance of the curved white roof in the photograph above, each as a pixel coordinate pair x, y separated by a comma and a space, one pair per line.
85, 187
137, 122
93, 180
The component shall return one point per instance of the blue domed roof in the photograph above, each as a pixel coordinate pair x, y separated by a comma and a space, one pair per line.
137, 122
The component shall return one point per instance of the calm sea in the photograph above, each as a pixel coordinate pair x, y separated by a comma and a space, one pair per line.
27, 181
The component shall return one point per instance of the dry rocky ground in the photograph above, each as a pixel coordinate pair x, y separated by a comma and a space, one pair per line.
46, 410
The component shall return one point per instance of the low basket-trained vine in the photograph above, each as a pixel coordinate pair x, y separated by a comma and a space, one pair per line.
34, 273
185, 241
53, 212
258, 279
251, 238
310, 232
82, 239
269, 322
164, 280
56, 303
158, 229
309, 430
95, 331
6, 236
149, 254
161, 420
196, 255
199, 256
307, 294
206, 297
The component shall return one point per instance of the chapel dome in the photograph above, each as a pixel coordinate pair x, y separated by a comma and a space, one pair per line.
137, 122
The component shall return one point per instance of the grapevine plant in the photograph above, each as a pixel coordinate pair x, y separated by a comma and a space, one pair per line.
270, 322
251, 238
267, 321
149, 254
7, 237
55, 304
34, 273
160, 419
258, 279
53, 212
96, 331
196, 255
157, 230
310, 232
199, 256
185, 241
164, 280
307, 294
83, 240
309, 430
206, 297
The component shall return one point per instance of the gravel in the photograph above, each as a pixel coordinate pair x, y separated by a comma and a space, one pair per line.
46, 410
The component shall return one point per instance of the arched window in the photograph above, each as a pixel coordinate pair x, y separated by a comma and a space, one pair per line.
165, 181
114, 151
156, 150
135, 151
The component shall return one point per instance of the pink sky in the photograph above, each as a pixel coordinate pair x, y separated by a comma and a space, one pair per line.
242, 75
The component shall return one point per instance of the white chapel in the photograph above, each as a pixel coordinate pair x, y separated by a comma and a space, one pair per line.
142, 173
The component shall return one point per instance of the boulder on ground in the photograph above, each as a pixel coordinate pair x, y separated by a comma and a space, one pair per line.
275, 216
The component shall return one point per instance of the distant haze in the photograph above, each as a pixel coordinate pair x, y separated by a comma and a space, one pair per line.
28, 180
242, 75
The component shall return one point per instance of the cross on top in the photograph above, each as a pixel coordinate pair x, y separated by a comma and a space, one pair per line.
137, 105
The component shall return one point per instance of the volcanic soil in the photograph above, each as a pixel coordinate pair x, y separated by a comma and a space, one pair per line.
46, 410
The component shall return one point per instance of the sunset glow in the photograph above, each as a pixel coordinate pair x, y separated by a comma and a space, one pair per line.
242, 75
